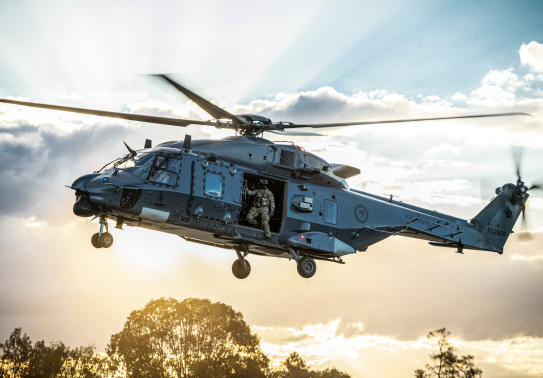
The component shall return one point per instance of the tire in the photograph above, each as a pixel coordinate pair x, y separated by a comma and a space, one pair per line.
95, 241
106, 240
239, 271
307, 267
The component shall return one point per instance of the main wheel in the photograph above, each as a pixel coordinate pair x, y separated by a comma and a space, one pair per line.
239, 271
106, 240
307, 267
95, 240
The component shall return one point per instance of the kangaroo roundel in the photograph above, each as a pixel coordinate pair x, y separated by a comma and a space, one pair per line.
361, 213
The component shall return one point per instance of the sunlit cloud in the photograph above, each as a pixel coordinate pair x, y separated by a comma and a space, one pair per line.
321, 343
532, 55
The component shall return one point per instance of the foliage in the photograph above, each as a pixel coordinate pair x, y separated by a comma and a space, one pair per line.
22, 360
166, 338
192, 338
295, 367
446, 363
15, 354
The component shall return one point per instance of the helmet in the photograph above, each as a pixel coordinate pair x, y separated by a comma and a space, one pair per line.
263, 184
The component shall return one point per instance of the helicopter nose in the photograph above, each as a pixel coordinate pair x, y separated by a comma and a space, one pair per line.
83, 207
81, 183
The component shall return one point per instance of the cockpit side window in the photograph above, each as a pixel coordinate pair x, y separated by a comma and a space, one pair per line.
164, 170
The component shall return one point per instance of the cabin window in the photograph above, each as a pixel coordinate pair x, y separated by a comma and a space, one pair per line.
330, 211
213, 185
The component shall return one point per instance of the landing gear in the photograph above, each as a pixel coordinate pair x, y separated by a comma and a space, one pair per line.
102, 239
106, 240
241, 267
307, 267
95, 240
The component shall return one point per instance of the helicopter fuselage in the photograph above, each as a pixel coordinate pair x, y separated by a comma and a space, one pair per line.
199, 194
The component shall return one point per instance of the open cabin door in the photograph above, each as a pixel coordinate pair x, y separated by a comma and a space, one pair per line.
216, 191
278, 188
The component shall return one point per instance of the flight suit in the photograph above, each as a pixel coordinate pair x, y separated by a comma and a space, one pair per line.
262, 205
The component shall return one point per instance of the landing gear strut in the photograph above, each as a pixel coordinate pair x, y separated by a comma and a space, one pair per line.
241, 267
102, 239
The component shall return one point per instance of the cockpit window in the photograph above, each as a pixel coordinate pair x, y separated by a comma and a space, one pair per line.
137, 165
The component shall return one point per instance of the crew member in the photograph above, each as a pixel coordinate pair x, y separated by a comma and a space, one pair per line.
263, 206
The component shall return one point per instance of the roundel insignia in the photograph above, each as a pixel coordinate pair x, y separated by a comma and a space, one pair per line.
361, 213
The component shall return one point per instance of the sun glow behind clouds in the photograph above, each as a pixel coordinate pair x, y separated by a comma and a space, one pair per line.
322, 343
143, 249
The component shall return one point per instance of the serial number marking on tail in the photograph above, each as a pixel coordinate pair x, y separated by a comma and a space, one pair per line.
493, 231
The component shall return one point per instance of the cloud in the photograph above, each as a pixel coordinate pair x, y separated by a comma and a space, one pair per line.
532, 55
458, 97
444, 147
320, 344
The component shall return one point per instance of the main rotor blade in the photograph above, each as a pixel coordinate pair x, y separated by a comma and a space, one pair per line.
318, 125
211, 109
294, 133
128, 116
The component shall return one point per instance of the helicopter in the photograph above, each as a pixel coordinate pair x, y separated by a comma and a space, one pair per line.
198, 190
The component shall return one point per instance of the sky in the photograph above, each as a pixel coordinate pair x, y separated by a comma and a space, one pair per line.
298, 61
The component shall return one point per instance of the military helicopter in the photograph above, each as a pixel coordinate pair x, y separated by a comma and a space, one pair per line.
197, 190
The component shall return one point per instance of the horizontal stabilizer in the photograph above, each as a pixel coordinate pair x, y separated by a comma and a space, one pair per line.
344, 171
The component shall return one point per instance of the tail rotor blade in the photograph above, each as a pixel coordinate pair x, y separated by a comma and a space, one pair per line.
524, 234
517, 157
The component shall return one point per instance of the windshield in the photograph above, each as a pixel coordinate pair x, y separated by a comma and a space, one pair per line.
137, 165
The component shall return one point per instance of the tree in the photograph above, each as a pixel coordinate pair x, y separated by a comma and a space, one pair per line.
192, 338
22, 360
446, 363
15, 354
331, 373
47, 361
295, 367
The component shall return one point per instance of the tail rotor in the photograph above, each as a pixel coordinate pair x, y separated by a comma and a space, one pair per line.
521, 192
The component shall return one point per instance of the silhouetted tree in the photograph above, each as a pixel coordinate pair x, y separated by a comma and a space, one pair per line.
295, 367
192, 338
331, 373
15, 354
47, 360
446, 364
22, 360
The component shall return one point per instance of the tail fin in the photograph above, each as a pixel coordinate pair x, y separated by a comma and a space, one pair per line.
496, 220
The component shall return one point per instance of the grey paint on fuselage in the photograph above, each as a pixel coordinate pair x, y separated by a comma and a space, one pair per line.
362, 219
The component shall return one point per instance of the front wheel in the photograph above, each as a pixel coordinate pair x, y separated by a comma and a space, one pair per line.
95, 240
239, 270
307, 267
106, 240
